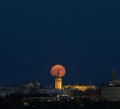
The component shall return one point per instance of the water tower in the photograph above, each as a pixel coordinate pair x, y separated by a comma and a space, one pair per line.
58, 71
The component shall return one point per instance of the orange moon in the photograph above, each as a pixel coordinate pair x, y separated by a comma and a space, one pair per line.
58, 70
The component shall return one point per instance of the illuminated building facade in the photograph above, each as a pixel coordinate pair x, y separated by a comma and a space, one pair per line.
82, 90
80, 87
58, 83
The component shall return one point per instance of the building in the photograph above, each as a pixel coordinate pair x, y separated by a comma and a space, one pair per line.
58, 83
81, 90
110, 93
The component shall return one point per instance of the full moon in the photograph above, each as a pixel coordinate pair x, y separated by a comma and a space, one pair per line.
58, 70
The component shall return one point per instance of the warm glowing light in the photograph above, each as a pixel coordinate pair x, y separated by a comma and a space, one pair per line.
81, 87
58, 71
58, 83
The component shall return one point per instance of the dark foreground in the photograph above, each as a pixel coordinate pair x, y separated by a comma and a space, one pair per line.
17, 102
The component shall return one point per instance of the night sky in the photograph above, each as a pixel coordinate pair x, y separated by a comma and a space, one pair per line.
83, 36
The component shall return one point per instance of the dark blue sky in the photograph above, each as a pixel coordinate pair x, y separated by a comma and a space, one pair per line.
83, 36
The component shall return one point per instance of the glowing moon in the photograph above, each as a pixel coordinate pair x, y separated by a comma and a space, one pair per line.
58, 71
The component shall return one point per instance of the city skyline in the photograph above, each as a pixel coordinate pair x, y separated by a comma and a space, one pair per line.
83, 36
